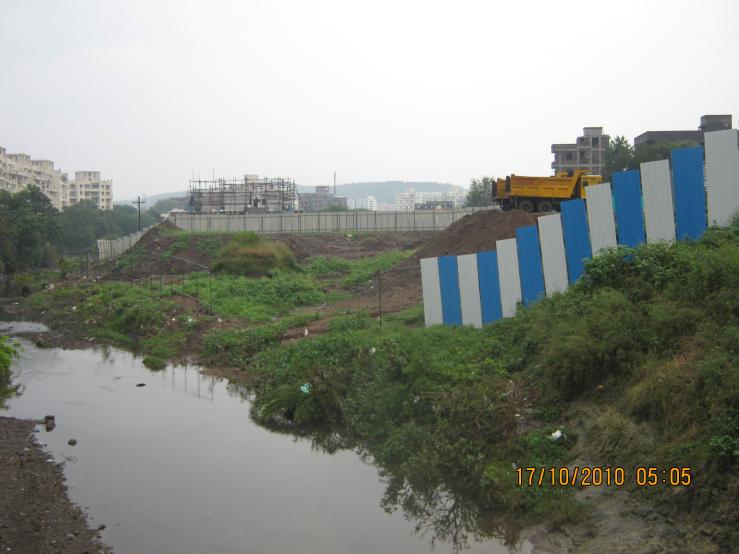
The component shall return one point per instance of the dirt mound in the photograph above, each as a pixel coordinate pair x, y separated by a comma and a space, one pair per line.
476, 233
351, 245
401, 286
164, 250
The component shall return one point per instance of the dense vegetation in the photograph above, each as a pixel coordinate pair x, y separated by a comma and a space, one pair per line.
7, 353
34, 234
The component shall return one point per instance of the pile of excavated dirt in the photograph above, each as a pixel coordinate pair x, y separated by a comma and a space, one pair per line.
156, 253
401, 286
476, 233
353, 246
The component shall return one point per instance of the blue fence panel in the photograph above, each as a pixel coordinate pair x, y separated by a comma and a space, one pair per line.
628, 207
451, 304
689, 192
577, 240
529, 264
487, 274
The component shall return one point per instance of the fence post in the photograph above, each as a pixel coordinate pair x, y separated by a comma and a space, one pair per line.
379, 296
210, 286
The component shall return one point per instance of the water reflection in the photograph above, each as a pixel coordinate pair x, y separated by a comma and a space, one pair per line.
177, 466
443, 509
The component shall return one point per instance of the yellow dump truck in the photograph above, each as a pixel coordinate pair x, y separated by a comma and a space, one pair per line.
541, 194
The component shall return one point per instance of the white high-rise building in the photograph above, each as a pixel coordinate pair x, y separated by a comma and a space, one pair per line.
407, 201
17, 171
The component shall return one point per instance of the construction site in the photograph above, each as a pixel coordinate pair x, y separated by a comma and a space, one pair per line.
252, 194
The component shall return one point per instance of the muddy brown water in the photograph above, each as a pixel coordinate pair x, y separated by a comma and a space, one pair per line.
177, 466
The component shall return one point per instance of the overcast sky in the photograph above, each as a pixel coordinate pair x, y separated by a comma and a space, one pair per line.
148, 92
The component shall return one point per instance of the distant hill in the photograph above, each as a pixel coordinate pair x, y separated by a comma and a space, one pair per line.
152, 199
383, 191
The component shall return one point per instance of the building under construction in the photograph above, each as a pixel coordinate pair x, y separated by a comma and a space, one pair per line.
251, 194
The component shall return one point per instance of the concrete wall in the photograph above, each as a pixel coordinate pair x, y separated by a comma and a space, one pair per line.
328, 222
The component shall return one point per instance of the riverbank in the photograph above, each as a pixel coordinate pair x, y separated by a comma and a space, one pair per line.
634, 367
35, 513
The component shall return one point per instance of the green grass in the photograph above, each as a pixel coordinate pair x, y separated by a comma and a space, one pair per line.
261, 299
8, 351
350, 273
126, 315
256, 299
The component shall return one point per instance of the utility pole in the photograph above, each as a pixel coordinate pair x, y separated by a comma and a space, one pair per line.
138, 201
334, 184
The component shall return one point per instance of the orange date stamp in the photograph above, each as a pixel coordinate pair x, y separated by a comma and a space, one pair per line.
587, 476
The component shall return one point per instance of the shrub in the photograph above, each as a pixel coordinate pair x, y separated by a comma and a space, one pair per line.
248, 254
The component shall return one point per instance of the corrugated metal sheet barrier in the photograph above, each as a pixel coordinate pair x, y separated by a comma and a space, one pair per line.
651, 204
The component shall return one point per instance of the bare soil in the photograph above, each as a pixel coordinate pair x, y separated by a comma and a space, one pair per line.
478, 232
35, 513
156, 254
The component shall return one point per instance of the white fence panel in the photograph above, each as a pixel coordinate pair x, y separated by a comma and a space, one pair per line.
601, 223
553, 253
469, 290
722, 176
659, 210
431, 291
510, 280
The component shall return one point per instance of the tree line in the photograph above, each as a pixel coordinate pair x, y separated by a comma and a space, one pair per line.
34, 234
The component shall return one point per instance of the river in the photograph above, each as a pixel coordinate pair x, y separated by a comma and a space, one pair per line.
170, 462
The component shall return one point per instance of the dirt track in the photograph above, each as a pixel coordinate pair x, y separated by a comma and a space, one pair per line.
35, 513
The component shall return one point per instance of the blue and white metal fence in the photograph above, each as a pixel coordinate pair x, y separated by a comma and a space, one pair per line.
651, 204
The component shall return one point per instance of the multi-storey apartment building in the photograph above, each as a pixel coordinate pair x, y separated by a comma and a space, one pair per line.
587, 152
406, 201
18, 171
87, 185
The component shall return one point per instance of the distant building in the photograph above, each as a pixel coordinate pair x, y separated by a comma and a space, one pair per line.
435, 205
322, 200
17, 171
708, 123
87, 185
372, 203
407, 201
587, 152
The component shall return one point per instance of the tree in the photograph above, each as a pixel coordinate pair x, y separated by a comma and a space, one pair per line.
619, 156
480, 193
660, 150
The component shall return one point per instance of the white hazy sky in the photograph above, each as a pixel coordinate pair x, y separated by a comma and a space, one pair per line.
148, 92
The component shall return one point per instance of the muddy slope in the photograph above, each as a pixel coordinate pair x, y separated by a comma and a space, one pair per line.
401, 286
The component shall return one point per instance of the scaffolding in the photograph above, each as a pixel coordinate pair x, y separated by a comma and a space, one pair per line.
251, 194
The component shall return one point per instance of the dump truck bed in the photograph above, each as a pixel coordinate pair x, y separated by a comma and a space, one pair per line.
543, 187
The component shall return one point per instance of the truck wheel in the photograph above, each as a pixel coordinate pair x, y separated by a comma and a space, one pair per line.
506, 205
526, 206
544, 206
